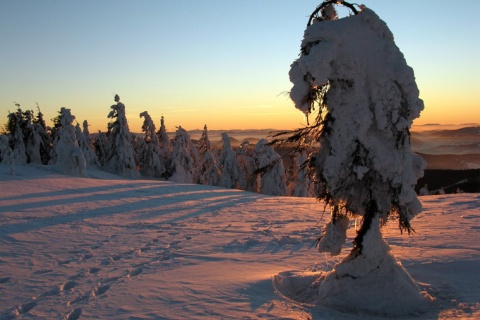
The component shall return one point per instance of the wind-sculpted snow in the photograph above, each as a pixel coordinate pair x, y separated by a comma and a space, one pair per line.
102, 247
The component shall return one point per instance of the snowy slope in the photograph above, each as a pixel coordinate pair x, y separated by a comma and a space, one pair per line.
104, 247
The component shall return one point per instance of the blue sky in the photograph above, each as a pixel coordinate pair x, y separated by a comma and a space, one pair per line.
220, 63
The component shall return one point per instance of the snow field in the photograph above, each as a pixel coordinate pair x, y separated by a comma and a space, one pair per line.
104, 247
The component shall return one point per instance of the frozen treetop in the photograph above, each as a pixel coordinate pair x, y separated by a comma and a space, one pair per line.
368, 99
358, 48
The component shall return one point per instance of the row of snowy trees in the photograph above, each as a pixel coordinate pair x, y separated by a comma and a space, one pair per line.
73, 150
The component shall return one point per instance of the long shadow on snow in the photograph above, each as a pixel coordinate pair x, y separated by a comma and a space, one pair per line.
158, 196
83, 195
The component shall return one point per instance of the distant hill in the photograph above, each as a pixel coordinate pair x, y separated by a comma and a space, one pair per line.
452, 161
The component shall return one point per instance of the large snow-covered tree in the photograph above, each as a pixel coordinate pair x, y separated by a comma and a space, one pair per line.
122, 157
351, 71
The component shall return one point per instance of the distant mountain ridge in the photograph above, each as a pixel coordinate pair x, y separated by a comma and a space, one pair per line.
456, 148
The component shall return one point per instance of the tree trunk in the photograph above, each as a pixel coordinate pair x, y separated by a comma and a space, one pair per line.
371, 280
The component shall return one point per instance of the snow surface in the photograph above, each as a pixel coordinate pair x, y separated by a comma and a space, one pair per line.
105, 247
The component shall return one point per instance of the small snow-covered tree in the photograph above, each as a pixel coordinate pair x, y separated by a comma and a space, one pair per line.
209, 173
245, 159
6, 153
122, 157
302, 177
33, 140
232, 175
102, 148
85, 143
184, 158
273, 181
149, 154
69, 156
165, 147
43, 133
366, 97
15, 127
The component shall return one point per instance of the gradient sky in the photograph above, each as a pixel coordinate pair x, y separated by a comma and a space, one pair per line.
216, 62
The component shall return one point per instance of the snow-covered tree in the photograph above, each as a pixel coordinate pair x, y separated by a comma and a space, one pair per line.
122, 158
86, 144
102, 148
6, 153
232, 175
245, 159
15, 127
184, 158
302, 182
273, 181
32, 139
367, 98
43, 133
165, 146
209, 173
149, 154
69, 156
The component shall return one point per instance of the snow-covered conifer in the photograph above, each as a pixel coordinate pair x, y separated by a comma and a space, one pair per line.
367, 99
122, 158
209, 173
32, 139
303, 177
85, 143
69, 156
6, 153
102, 148
184, 158
43, 133
149, 154
165, 146
232, 175
273, 180
15, 127
245, 159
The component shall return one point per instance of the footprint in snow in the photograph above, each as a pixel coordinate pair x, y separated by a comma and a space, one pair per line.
94, 270
5, 279
101, 290
24, 308
75, 314
69, 285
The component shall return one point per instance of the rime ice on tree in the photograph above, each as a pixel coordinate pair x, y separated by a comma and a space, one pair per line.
351, 72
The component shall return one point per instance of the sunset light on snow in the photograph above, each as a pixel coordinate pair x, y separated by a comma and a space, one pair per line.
224, 64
